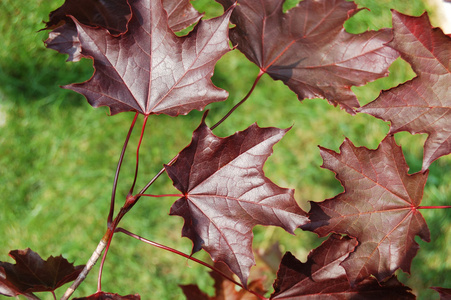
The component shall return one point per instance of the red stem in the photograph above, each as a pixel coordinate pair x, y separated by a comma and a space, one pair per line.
136, 198
433, 207
188, 257
119, 164
137, 154
260, 74
159, 196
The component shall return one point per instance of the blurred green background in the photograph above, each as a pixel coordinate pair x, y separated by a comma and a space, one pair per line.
58, 156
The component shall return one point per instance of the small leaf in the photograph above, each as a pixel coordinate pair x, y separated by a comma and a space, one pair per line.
227, 194
32, 274
322, 277
10, 290
109, 296
378, 207
423, 104
308, 49
149, 69
113, 15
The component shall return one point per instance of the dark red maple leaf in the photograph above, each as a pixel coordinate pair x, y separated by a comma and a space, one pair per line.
308, 49
224, 289
112, 15
149, 69
422, 105
322, 277
33, 274
109, 296
378, 207
10, 290
445, 294
227, 194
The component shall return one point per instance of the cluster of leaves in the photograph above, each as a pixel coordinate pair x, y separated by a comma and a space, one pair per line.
142, 66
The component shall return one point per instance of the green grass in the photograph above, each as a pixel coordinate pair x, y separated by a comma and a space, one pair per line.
58, 156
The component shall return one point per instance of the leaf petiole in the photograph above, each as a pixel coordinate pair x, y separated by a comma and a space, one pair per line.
434, 207
159, 196
137, 154
119, 164
260, 74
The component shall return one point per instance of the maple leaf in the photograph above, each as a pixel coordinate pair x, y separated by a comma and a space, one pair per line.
445, 294
308, 49
227, 194
109, 296
149, 69
378, 207
10, 290
322, 277
224, 289
33, 274
423, 104
113, 15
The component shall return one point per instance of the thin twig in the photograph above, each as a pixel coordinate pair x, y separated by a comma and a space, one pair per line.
91, 262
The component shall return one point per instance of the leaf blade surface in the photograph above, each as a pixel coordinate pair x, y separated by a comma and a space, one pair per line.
322, 277
33, 274
378, 207
308, 49
227, 194
149, 69
421, 105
